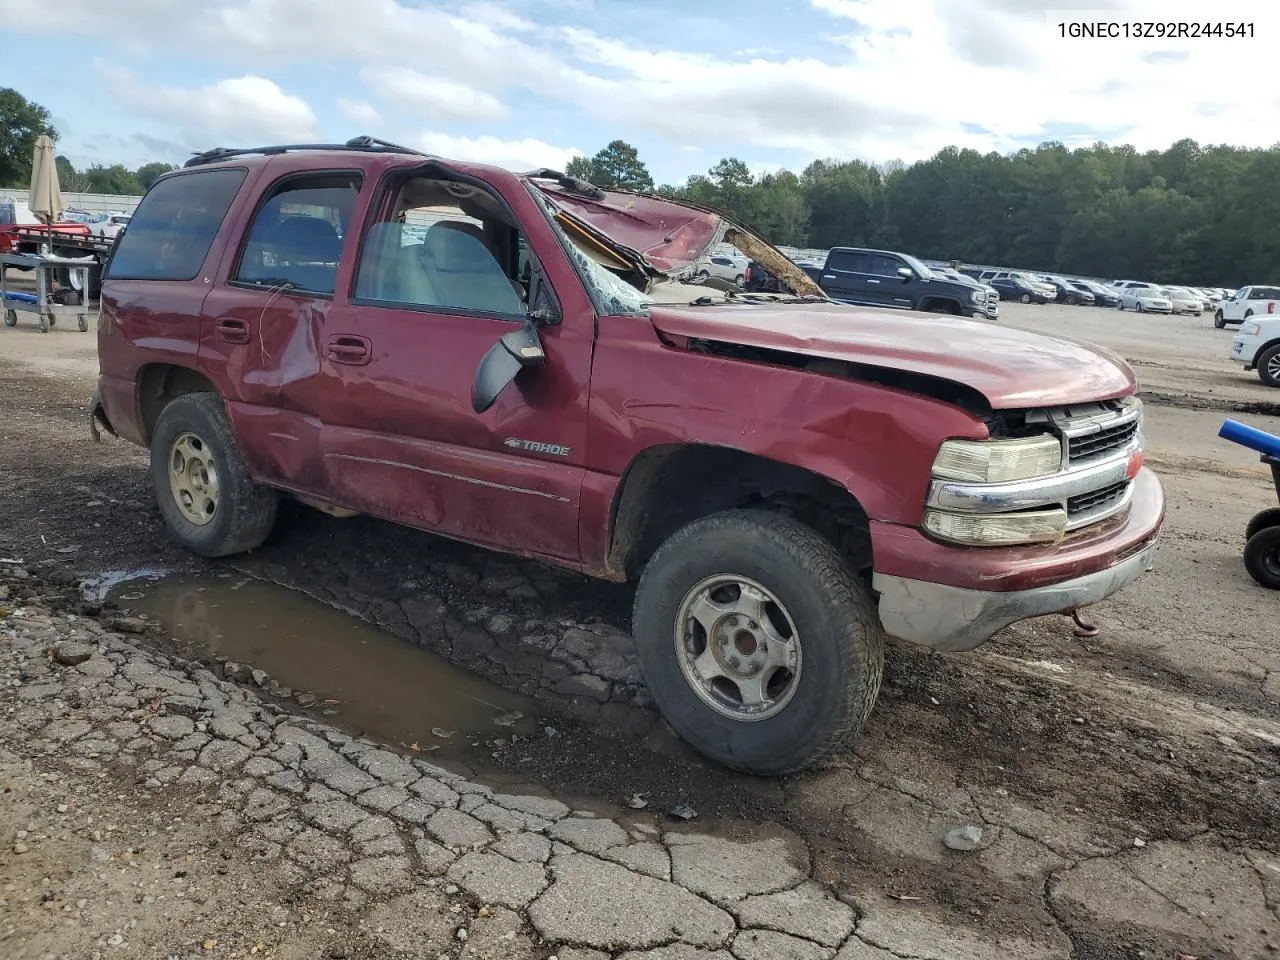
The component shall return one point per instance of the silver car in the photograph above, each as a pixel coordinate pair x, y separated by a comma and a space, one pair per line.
1184, 301
1145, 300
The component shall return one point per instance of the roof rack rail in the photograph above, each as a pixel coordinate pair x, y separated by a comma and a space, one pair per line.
363, 144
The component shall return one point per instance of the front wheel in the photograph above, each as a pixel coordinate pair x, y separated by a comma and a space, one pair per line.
1218, 320
1267, 518
758, 643
202, 485
1025, 298
11, 318
1140, 308
1073, 300
1262, 557
1269, 366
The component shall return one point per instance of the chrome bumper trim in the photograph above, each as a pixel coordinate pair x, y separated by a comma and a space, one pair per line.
957, 618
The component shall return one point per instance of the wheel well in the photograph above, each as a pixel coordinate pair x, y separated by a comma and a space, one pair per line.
160, 383
941, 304
670, 486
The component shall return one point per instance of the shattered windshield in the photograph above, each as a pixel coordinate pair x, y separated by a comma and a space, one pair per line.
614, 295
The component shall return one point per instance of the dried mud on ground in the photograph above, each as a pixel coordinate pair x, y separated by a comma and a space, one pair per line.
1125, 786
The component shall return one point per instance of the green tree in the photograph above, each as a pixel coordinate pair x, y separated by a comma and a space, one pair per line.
116, 179
69, 178
617, 166
21, 123
148, 173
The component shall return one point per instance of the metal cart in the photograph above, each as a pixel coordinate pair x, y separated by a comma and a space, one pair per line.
1262, 536
42, 303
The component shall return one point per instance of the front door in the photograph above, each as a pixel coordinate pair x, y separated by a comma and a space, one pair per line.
438, 280
889, 287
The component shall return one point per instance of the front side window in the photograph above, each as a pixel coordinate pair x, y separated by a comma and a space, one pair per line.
883, 266
296, 236
445, 246
173, 228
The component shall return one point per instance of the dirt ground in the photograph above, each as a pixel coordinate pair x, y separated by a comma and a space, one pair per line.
1124, 786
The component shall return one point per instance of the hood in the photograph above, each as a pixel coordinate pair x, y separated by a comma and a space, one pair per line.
657, 235
1011, 368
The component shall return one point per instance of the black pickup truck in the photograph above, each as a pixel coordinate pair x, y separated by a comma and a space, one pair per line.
882, 278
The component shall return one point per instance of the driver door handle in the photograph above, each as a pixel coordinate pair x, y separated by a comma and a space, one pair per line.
346, 348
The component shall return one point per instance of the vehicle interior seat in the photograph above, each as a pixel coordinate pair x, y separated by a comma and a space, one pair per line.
464, 272
306, 251
393, 271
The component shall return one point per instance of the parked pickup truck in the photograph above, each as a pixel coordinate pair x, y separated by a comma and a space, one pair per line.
1245, 303
16, 236
882, 278
1257, 346
526, 362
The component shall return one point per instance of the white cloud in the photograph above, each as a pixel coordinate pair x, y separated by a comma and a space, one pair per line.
432, 97
358, 110
884, 79
519, 155
235, 111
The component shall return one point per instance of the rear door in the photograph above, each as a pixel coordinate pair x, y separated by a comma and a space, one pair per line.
261, 325
846, 276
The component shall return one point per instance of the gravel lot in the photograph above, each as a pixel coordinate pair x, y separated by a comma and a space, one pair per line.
1118, 795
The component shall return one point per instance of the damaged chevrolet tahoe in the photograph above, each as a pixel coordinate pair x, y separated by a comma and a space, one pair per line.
529, 363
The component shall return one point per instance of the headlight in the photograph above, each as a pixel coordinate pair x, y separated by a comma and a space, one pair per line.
978, 296
998, 461
997, 529
1250, 329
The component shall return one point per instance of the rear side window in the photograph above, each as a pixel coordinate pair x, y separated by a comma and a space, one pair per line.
170, 233
1265, 293
848, 262
296, 235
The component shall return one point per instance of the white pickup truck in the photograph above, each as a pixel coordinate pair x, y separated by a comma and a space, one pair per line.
1257, 346
1245, 303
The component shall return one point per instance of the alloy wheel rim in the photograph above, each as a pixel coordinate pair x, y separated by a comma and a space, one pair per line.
738, 647
193, 479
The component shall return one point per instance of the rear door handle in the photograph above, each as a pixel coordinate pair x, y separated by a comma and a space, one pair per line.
350, 349
872, 281
232, 331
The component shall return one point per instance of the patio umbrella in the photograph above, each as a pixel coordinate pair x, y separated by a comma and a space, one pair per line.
46, 195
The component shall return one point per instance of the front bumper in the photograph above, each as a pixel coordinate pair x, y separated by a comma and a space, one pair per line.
1242, 351
991, 588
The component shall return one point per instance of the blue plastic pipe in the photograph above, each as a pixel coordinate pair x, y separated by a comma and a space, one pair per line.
1249, 437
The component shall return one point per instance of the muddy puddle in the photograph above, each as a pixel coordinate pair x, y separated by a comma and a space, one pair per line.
363, 678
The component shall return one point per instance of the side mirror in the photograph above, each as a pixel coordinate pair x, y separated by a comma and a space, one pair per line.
906, 273
516, 351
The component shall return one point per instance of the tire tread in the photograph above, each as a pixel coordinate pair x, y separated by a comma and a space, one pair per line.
851, 603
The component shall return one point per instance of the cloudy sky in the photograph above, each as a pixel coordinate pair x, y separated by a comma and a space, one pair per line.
527, 83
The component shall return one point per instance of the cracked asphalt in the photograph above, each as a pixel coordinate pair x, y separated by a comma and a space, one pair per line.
158, 803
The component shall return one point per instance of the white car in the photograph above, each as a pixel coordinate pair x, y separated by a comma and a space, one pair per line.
1245, 303
1257, 346
1144, 299
107, 225
1184, 301
733, 269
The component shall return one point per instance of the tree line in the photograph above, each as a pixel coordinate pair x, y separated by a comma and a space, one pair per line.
22, 122
1190, 214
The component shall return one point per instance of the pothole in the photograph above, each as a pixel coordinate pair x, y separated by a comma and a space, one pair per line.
363, 677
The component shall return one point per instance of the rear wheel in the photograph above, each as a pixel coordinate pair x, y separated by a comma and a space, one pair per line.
1262, 557
740, 281
201, 482
1267, 518
11, 318
758, 643
1269, 366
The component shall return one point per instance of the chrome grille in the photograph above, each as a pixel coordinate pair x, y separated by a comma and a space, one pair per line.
1096, 500
1102, 441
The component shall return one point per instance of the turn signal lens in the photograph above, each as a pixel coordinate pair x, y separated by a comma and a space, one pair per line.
997, 529
998, 461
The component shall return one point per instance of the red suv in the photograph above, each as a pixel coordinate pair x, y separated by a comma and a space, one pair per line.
530, 363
